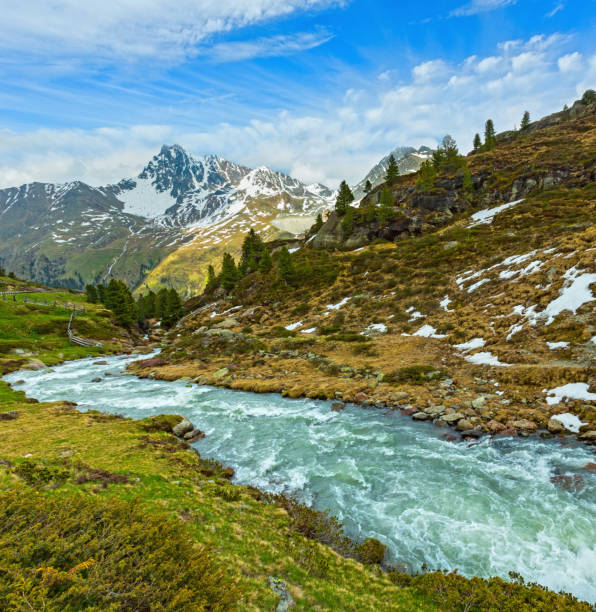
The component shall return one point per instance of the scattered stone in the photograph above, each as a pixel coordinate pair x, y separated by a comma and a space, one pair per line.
9, 416
286, 601
409, 410
96, 380
35, 364
555, 426
473, 433
450, 245
525, 425
464, 425
570, 483
18, 382
66, 453
588, 436
228, 473
221, 373
360, 397
183, 427
452, 419
590, 467
399, 396
102, 362
450, 438
194, 436
337, 406
478, 402
420, 416
494, 427
227, 323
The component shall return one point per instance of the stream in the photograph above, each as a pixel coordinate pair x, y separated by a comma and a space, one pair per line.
485, 508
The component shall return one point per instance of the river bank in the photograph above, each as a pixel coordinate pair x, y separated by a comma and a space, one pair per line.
358, 455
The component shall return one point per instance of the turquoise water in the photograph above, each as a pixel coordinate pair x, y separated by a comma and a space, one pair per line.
484, 509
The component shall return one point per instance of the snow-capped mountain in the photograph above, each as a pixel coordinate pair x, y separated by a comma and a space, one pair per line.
177, 189
408, 160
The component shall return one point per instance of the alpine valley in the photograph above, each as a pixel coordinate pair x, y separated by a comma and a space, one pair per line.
162, 227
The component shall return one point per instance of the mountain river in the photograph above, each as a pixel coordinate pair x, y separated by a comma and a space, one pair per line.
484, 508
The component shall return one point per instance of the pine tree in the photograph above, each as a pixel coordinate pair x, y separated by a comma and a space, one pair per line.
173, 308
91, 294
344, 198
212, 281
525, 122
318, 224
229, 273
146, 305
119, 300
266, 263
490, 139
252, 251
426, 176
367, 186
285, 266
347, 223
386, 207
101, 293
477, 142
161, 303
392, 170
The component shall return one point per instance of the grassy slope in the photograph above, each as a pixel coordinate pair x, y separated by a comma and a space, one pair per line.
384, 281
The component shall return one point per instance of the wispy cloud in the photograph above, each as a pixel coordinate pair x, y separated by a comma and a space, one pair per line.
559, 7
345, 136
480, 6
272, 46
133, 29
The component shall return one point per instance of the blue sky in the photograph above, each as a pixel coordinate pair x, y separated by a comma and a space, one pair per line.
317, 88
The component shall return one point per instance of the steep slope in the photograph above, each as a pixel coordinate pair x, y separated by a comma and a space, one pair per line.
72, 234
480, 316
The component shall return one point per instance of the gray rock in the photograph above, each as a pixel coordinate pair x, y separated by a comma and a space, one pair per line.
464, 425
555, 426
420, 416
96, 380
337, 406
478, 402
452, 419
183, 427
279, 587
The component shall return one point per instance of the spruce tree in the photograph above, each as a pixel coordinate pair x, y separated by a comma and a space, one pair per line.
386, 207
392, 171
490, 139
318, 224
347, 223
344, 198
525, 122
252, 251
367, 186
427, 174
266, 263
101, 293
161, 303
229, 273
285, 266
477, 142
212, 281
119, 300
468, 185
91, 294
173, 308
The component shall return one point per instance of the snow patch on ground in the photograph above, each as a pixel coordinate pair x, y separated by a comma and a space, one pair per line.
428, 331
572, 297
571, 391
557, 345
485, 358
569, 421
144, 200
375, 328
484, 217
470, 345
310, 330
293, 326
339, 304
444, 303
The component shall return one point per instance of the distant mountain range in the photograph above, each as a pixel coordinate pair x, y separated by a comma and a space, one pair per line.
162, 227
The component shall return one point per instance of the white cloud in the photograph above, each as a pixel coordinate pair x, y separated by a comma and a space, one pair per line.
570, 62
343, 138
132, 29
272, 46
559, 7
480, 6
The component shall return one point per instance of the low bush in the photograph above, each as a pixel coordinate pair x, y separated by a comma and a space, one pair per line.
83, 553
415, 375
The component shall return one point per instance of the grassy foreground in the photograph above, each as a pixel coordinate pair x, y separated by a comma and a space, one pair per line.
99, 512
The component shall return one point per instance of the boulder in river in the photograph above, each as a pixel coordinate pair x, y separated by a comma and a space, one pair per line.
464, 425
360, 397
194, 436
420, 416
337, 406
183, 427
35, 364
555, 426
229, 473
96, 380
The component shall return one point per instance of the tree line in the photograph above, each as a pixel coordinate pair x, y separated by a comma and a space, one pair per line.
165, 305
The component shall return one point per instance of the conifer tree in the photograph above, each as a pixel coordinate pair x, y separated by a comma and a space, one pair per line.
252, 251
347, 223
161, 303
490, 139
468, 185
426, 176
318, 224
525, 122
477, 142
119, 300
344, 198
91, 294
367, 186
266, 263
392, 170
212, 281
173, 308
101, 293
386, 207
229, 273
285, 266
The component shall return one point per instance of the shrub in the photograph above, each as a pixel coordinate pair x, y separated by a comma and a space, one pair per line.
371, 551
416, 375
80, 552
281, 332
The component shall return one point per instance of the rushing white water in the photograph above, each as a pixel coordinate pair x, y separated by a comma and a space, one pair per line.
485, 509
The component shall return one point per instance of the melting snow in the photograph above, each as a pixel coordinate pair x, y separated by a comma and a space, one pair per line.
338, 305
376, 327
556, 345
573, 296
293, 326
486, 216
310, 330
572, 391
472, 344
569, 421
444, 303
485, 358
428, 331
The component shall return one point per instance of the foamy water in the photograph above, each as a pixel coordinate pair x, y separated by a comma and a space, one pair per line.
485, 509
